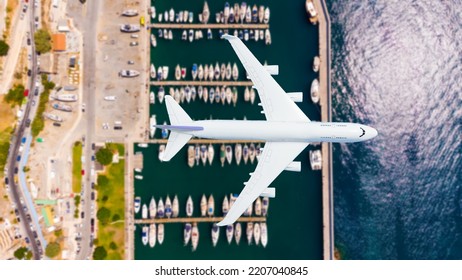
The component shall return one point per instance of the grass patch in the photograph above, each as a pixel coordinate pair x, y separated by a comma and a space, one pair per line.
4, 146
77, 167
112, 190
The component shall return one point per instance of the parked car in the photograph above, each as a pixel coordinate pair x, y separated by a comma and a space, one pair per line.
56, 124
134, 43
28, 121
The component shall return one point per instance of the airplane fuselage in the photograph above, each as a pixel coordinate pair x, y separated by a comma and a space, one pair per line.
306, 132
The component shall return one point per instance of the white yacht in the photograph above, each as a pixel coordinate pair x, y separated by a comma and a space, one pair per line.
210, 154
152, 123
229, 153
152, 235
215, 234
315, 91
145, 235
153, 40
152, 98
210, 206
160, 209
203, 205
165, 72
139, 177
161, 94
144, 212
264, 234
137, 204
249, 232
238, 153
229, 233
204, 153
235, 72
161, 151
258, 207
130, 13
252, 95
129, 28
200, 72
257, 233
177, 72
267, 37
205, 13
66, 97
175, 207
152, 208
194, 237
316, 63
267, 15
252, 152
316, 160
168, 207
225, 206
187, 233
264, 206
189, 207
237, 233
160, 233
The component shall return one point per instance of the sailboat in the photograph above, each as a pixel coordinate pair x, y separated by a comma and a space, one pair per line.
203, 205
215, 234
238, 153
210, 206
210, 154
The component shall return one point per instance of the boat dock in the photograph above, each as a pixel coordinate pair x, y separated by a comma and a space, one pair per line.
198, 220
205, 141
326, 116
202, 83
209, 25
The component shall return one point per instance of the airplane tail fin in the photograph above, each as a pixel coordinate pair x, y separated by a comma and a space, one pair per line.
178, 117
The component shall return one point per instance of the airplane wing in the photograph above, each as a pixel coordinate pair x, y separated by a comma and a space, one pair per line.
277, 105
273, 160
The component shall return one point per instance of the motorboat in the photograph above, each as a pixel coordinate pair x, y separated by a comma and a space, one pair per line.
316, 63
189, 207
142, 145
211, 72
166, 18
258, 150
152, 98
66, 97
249, 232
129, 28
252, 95
69, 88
161, 94
229, 233
144, 212
160, 233
232, 198
185, 16
229, 95
252, 153
193, 93
139, 170
264, 234
209, 34
145, 235
248, 15
267, 37
246, 34
210, 153
217, 17
153, 40
194, 71
235, 96
223, 71
258, 207
152, 235
242, 11
161, 152
231, 18
235, 72
200, 92
205, 13
248, 212
177, 72
314, 90
152, 11
206, 72
187, 94
315, 160
197, 154
264, 206
217, 71
237, 233
203, 205
171, 15
210, 206
159, 73
205, 95
245, 153
165, 72
164, 132
175, 207
238, 153
191, 35
177, 95
183, 72
62, 107
200, 72
311, 10
219, 95
152, 208
257, 233
152, 125
160, 17
129, 73
254, 14
187, 233
184, 35
267, 15
261, 13
194, 237
222, 155
191, 156
226, 12
215, 234
139, 177
204, 154
137, 204
160, 209
225, 206
191, 17
168, 207
228, 71
246, 94
130, 13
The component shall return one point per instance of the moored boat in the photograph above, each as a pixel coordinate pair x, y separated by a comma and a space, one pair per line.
205, 13
197, 154
252, 96
152, 125
168, 207
246, 94
238, 153
204, 154
267, 15
160, 233
258, 206
237, 233
194, 237
175, 207
160, 208
229, 154
225, 206
222, 154
203, 205
235, 96
210, 154
252, 152
229, 233
62, 107
264, 234
144, 212
264, 206
161, 152
232, 198
145, 235
267, 37
189, 207
316, 63
152, 208
235, 72
187, 233
211, 206
249, 232
261, 13
153, 40
257, 233
152, 235
164, 132
130, 13
191, 156
200, 72
152, 98
177, 72
137, 204
215, 234
314, 90
194, 71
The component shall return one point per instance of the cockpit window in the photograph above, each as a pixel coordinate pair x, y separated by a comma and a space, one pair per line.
364, 132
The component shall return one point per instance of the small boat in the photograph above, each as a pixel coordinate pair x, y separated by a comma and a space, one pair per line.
187, 233
248, 14
153, 40
315, 91
188, 94
205, 13
225, 206
204, 154
152, 235
210, 154
245, 153
161, 94
152, 71
194, 237
229, 95
139, 170
203, 205
205, 95
206, 72
228, 71
229, 154
258, 207
249, 232
237, 233
229, 233
171, 15
261, 13
145, 235
137, 204
217, 71
215, 234
238, 153
217, 17
248, 212
210, 206
200, 72
166, 18
232, 198
152, 11
160, 17
209, 34
165, 72
175, 207
191, 35
177, 95
252, 153
159, 73
168, 207
257, 233
130, 28
152, 208
267, 37
152, 127
242, 11
223, 71
152, 98
247, 94
262, 34
185, 16
219, 95
226, 12
183, 72
222, 155
142, 145
252, 95
191, 156
144, 212
211, 72
315, 160
160, 233
191, 17
231, 18
197, 154
130, 13
246, 34
194, 71
184, 35
107, 98
264, 234
200, 91
161, 152
63, 107
160, 209
189, 207
311, 10
235, 96
235, 72
139, 177
316, 63
258, 150
177, 72
257, 36
264, 206
66, 97
267, 15
164, 132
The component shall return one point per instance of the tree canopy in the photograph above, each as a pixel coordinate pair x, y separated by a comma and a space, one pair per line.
42, 40
20, 253
104, 156
4, 48
103, 215
15, 95
102, 180
52, 250
100, 253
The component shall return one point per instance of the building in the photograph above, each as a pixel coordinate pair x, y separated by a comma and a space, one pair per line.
59, 42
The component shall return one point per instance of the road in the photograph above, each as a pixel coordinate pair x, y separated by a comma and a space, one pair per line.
16, 142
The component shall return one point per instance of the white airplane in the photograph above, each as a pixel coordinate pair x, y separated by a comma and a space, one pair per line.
287, 131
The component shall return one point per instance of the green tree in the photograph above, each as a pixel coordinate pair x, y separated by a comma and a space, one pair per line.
103, 215
52, 250
100, 253
29, 255
4, 48
104, 156
59, 233
116, 217
42, 40
77, 200
113, 246
20, 253
102, 180
15, 95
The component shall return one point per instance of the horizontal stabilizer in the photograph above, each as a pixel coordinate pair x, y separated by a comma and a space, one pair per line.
176, 141
295, 166
269, 192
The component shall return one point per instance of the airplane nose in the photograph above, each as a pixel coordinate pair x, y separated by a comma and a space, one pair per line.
372, 132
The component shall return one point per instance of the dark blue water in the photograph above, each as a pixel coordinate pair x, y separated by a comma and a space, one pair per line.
397, 66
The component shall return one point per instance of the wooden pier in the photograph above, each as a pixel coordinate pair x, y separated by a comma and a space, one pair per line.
198, 220
206, 141
202, 83
209, 25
